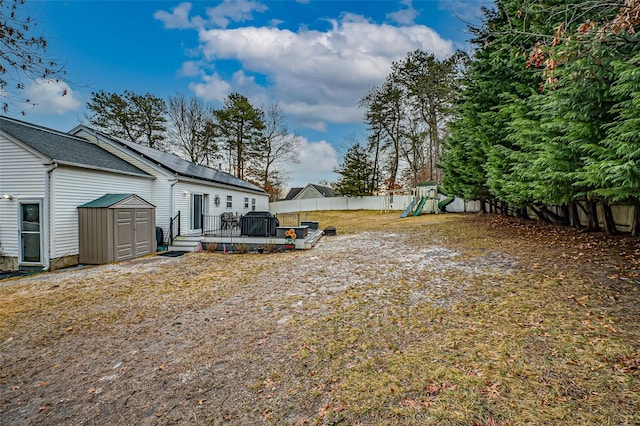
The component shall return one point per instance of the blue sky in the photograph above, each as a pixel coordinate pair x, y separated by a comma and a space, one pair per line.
315, 58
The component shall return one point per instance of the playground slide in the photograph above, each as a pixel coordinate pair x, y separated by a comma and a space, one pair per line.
444, 203
420, 206
410, 207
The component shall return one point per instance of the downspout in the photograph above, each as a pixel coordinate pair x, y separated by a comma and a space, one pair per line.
171, 200
46, 224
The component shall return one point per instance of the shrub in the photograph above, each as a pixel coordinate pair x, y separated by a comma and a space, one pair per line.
242, 248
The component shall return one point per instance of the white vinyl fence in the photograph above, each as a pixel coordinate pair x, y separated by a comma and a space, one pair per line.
397, 203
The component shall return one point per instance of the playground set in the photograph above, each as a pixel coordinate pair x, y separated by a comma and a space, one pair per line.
428, 197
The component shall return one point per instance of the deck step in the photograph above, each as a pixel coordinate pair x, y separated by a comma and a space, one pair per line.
185, 245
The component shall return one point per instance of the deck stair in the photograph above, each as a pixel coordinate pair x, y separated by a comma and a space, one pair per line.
186, 243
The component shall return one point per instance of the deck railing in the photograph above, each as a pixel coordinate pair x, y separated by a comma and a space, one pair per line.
174, 228
221, 225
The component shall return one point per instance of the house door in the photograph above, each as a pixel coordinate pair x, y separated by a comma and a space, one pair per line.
196, 211
30, 233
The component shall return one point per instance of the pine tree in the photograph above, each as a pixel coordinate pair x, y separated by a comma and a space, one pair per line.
355, 172
240, 126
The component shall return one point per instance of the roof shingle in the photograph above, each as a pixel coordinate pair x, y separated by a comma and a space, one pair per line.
64, 148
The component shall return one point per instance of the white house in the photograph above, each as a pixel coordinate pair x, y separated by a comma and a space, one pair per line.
181, 186
45, 175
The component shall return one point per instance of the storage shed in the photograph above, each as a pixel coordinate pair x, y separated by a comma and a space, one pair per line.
116, 227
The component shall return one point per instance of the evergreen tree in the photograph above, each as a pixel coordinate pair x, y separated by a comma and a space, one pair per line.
430, 88
240, 126
355, 172
385, 115
138, 118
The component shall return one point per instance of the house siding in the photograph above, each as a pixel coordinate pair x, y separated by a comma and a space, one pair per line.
307, 193
183, 201
22, 175
168, 194
161, 199
72, 187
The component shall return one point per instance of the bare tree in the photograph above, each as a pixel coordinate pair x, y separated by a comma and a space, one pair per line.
22, 56
191, 127
278, 147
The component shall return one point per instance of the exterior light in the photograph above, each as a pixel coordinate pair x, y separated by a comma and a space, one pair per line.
7, 197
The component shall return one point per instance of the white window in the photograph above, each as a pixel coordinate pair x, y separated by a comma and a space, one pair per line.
229, 201
253, 204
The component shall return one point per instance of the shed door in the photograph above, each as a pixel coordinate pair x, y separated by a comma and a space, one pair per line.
124, 234
142, 232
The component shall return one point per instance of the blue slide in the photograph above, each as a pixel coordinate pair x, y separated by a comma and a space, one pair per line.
410, 207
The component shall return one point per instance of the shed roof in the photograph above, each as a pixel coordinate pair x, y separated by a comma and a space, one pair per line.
110, 200
182, 167
63, 147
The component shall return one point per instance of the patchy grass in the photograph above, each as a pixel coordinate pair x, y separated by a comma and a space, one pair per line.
442, 320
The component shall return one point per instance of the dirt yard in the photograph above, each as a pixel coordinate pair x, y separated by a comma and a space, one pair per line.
434, 320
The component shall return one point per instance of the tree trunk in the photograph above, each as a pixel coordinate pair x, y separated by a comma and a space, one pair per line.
574, 217
609, 222
540, 214
553, 217
564, 216
635, 228
483, 206
522, 213
592, 213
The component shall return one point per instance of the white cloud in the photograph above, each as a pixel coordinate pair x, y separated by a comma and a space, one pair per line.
234, 10
317, 75
49, 96
190, 69
317, 161
212, 88
406, 16
220, 16
178, 18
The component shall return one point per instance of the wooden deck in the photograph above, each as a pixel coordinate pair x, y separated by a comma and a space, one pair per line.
231, 241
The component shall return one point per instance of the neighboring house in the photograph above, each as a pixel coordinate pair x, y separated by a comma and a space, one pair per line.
45, 175
309, 191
